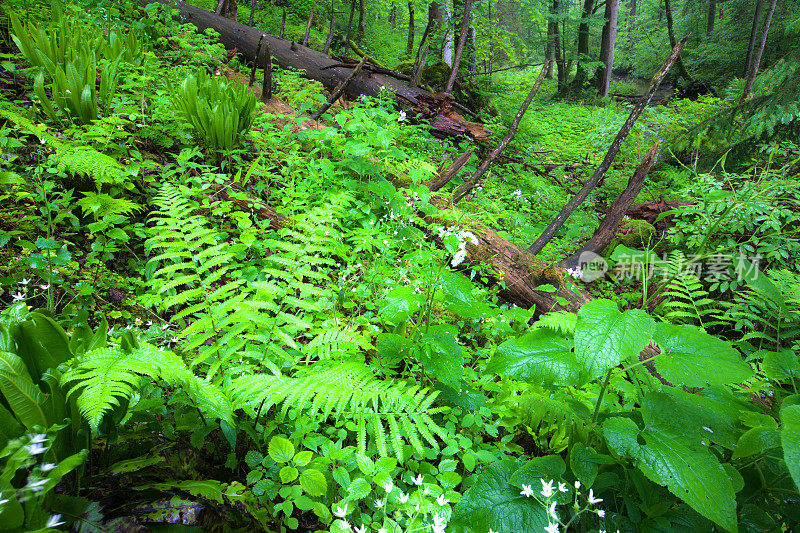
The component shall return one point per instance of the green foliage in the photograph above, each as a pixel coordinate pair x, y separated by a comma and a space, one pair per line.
220, 113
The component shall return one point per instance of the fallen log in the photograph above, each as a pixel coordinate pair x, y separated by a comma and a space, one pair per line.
317, 66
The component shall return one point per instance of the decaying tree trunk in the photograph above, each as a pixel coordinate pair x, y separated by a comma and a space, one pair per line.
605, 233
607, 46
462, 39
330, 72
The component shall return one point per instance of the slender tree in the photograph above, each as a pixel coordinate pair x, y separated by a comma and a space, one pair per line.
753, 36
751, 76
362, 20
462, 39
583, 44
712, 13
410, 40
252, 13
673, 41
607, 46
350, 24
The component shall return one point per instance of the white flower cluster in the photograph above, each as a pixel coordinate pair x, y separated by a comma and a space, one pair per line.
548, 491
463, 236
575, 272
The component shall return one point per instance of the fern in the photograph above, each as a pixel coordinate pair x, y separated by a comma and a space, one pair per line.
562, 322
350, 390
79, 160
686, 299
106, 376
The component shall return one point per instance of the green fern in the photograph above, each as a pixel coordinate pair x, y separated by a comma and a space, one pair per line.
686, 299
79, 160
562, 322
346, 390
103, 377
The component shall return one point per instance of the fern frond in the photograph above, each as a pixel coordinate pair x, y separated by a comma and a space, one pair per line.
348, 390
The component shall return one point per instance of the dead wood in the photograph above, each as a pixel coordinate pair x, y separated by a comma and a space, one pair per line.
612, 152
445, 177
339, 91
605, 233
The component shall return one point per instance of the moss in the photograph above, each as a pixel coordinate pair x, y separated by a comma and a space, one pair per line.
633, 234
436, 74
405, 67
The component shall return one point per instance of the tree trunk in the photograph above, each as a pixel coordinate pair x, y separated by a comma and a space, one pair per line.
350, 24
462, 39
558, 50
607, 46
581, 75
362, 20
491, 44
393, 16
751, 76
283, 24
447, 40
308, 29
411, 29
605, 233
327, 48
672, 41
612, 152
252, 13
753, 36
712, 13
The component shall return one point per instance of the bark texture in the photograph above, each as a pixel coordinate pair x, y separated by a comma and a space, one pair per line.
751, 76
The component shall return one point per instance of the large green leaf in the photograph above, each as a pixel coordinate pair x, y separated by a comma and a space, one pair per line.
781, 365
441, 354
458, 296
673, 457
493, 503
604, 337
692, 357
790, 439
539, 356
24, 398
400, 304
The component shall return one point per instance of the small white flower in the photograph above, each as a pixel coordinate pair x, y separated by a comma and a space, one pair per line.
592, 500
379, 503
383, 530
3, 501
552, 528
417, 480
35, 448
562, 487
340, 512
426, 491
401, 117
577, 484
547, 488
439, 524
458, 258
25, 281
442, 499
492, 530
47, 467
527, 491
36, 486
708, 429
44, 287
552, 511
403, 497
388, 486
346, 525
601, 513
17, 297
362, 529
54, 521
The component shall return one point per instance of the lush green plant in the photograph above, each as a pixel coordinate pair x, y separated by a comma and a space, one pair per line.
220, 113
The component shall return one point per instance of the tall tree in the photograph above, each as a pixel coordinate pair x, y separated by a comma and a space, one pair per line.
673, 41
462, 39
447, 41
252, 13
410, 40
607, 44
350, 24
558, 50
362, 20
753, 36
751, 76
583, 45
712, 13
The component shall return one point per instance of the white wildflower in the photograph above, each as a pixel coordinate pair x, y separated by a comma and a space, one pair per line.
601, 513
592, 500
417, 480
403, 497
708, 429
379, 503
54, 521
577, 484
35, 448
401, 117
562, 487
362, 529
340, 512
552, 511
527, 491
25, 281
346, 525
3, 501
551, 528
442, 499
459, 257
17, 297
47, 467
38, 485
547, 488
